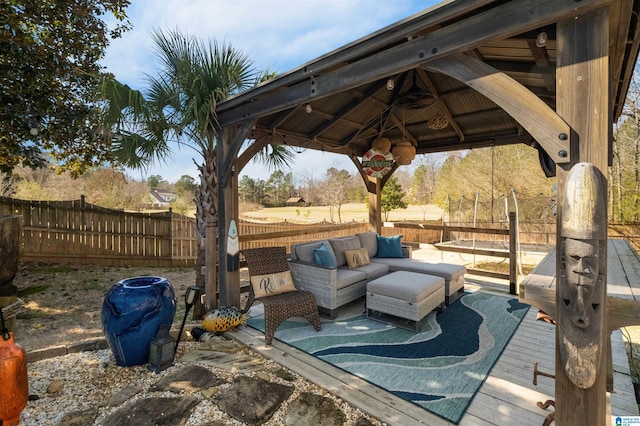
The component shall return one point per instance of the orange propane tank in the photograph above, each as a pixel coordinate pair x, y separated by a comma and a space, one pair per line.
14, 387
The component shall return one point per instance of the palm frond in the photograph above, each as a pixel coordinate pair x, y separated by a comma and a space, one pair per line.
275, 156
178, 105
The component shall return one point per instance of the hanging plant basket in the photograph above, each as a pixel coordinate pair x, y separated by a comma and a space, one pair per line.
381, 144
404, 152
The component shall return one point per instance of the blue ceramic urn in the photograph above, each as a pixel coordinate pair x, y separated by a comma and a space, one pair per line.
132, 312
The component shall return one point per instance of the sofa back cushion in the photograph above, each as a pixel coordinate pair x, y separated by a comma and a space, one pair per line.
304, 251
369, 241
323, 256
340, 245
389, 246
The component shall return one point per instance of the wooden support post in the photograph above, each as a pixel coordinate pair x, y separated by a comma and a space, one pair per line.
583, 101
513, 258
229, 282
375, 206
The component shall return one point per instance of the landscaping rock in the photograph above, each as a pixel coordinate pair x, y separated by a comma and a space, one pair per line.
362, 421
252, 401
122, 395
226, 360
55, 386
284, 374
159, 411
189, 379
312, 409
79, 418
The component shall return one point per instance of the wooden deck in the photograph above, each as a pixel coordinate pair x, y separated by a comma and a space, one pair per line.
623, 284
508, 396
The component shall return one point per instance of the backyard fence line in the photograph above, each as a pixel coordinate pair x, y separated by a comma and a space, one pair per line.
78, 232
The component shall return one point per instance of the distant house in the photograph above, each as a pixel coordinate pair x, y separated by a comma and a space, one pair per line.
161, 198
296, 201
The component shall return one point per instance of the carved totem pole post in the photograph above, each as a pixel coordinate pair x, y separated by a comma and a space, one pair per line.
582, 288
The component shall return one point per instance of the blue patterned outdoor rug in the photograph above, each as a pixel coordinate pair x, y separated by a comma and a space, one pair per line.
440, 368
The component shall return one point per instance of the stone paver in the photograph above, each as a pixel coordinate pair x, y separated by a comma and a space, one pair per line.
251, 400
159, 411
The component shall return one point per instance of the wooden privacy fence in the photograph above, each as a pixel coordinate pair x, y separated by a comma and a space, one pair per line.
79, 232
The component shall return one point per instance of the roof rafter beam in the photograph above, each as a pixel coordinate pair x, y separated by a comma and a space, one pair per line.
344, 111
508, 19
446, 145
384, 117
441, 104
547, 127
543, 62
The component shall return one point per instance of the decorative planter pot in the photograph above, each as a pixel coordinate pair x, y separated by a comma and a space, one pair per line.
132, 312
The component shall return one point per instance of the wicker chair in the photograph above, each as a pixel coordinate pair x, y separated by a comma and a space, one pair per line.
279, 307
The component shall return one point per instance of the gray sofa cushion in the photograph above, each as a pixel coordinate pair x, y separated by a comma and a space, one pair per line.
304, 251
346, 277
370, 241
408, 286
445, 270
340, 245
373, 270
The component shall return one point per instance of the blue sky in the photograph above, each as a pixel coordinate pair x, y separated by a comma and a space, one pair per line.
278, 35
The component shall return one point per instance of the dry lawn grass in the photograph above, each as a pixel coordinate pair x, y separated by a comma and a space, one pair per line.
358, 212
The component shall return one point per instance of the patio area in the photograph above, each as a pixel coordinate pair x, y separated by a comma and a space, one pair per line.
508, 392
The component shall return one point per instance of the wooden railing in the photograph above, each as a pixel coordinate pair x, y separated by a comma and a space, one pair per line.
80, 232
511, 253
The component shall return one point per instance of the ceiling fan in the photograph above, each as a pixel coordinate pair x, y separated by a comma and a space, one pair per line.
415, 97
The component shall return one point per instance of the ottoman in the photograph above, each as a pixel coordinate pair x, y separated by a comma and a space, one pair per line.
406, 295
453, 274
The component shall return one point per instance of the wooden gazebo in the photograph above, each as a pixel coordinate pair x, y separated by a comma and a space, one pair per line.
552, 74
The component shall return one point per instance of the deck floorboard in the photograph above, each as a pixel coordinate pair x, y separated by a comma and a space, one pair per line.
507, 395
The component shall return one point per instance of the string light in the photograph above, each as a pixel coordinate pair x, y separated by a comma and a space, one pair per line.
391, 84
541, 40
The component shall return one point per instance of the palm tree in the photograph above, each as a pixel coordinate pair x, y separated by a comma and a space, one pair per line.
177, 109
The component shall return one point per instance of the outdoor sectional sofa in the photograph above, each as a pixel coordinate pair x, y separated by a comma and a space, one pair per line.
334, 270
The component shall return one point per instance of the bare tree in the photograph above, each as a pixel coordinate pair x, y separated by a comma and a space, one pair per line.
423, 184
335, 190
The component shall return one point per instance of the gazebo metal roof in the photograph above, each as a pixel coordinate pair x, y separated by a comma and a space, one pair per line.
343, 100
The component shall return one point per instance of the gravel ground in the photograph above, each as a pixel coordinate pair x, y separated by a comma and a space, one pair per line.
62, 307
86, 380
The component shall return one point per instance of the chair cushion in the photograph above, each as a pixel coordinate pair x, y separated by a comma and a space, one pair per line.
271, 284
304, 251
340, 245
389, 246
323, 256
355, 258
370, 241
